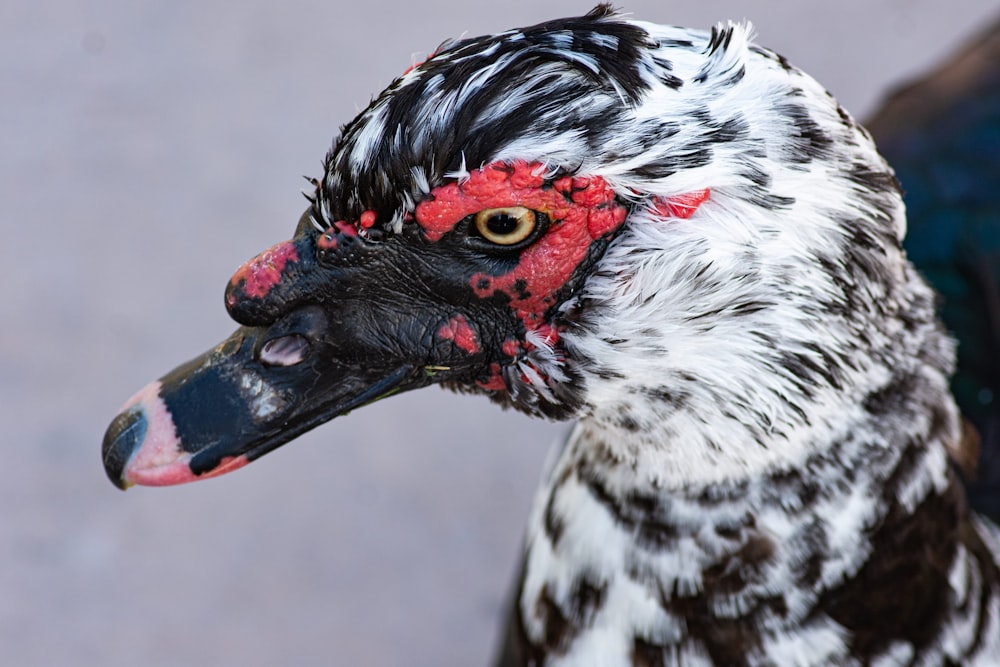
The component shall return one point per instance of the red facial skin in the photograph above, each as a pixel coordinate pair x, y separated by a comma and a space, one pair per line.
367, 219
328, 240
682, 206
580, 210
260, 274
459, 331
494, 381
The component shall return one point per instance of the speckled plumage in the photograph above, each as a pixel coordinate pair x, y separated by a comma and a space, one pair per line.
760, 473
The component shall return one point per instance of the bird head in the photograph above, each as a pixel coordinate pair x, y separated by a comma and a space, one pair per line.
658, 229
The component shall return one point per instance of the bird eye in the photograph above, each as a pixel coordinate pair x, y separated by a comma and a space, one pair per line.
506, 226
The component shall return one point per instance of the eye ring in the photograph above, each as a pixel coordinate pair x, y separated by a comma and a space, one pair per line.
506, 226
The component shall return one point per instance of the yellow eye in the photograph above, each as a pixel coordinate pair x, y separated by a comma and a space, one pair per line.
506, 226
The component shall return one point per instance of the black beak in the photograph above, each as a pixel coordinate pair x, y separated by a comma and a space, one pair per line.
252, 393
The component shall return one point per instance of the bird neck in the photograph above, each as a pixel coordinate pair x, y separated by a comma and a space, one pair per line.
627, 557
724, 361
682, 434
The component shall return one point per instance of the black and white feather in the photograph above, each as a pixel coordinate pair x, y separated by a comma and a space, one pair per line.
761, 470
760, 474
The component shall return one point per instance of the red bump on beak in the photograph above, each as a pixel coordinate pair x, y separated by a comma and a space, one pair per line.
260, 274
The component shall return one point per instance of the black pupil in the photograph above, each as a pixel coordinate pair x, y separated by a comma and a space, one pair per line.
501, 224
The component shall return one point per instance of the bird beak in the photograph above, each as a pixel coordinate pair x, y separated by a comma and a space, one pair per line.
296, 365
249, 395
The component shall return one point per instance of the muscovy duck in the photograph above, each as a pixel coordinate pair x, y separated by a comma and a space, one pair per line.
683, 242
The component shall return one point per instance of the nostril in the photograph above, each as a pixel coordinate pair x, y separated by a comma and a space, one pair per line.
285, 350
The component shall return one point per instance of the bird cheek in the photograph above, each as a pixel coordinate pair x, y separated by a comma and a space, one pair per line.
461, 334
494, 379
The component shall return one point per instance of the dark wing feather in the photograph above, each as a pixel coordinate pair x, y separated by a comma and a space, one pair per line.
942, 136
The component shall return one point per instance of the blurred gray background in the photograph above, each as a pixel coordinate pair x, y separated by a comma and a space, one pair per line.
146, 150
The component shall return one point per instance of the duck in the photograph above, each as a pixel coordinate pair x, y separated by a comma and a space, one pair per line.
683, 244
